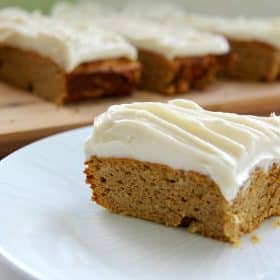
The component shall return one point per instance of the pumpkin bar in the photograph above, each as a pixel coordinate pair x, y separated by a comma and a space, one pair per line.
218, 174
62, 63
254, 42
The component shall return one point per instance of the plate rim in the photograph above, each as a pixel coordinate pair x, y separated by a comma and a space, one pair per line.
8, 260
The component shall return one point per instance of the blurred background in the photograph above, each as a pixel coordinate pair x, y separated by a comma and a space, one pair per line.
263, 8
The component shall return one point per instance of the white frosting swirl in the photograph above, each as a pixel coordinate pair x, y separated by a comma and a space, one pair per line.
168, 40
67, 46
180, 134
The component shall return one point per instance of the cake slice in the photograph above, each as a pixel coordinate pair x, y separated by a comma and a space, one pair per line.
62, 63
174, 59
177, 164
254, 41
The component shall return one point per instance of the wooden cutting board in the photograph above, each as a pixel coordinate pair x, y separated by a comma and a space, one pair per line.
25, 117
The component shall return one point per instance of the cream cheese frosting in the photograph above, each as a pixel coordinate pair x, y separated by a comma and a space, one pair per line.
182, 135
240, 28
67, 46
169, 41
253, 29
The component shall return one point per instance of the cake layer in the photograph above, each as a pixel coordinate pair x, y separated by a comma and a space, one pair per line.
183, 198
41, 75
112, 77
180, 134
171, 77
255, 61
67, 46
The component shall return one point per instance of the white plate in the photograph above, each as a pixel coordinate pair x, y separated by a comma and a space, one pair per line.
50, 229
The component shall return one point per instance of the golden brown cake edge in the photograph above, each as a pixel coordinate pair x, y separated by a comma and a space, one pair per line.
255, 61
179, 75
164, 195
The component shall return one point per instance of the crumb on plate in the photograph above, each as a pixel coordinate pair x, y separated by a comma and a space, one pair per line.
255, 239
276, 223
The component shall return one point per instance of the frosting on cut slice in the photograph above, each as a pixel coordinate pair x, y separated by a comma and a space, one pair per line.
67, 46
182, 135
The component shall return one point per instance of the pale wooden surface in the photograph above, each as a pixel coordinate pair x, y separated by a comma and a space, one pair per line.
25, 118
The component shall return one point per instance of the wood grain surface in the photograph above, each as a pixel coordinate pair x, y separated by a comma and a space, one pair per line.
25, 117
